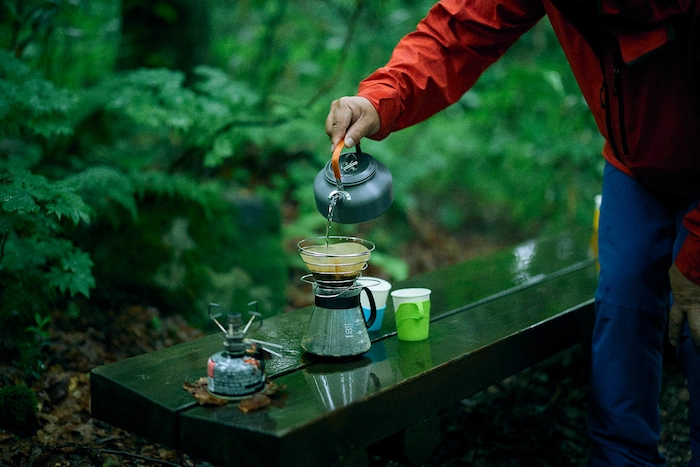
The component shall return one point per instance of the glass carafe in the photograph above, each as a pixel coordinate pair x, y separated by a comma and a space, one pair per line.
337, 327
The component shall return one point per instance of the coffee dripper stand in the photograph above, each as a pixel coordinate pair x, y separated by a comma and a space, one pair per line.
337, 328
238, 371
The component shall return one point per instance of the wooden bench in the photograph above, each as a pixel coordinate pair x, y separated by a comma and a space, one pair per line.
491, 318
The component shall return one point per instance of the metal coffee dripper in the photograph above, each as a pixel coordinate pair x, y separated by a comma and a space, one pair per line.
337, 327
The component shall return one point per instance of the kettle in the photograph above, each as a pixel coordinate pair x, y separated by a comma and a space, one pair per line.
353, 187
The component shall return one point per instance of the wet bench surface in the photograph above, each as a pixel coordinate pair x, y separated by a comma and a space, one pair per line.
491, 317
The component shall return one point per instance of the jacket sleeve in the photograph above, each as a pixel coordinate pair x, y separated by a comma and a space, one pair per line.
688, 259
436, 64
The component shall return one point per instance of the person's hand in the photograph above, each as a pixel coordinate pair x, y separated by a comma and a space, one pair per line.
351, 119
686, 306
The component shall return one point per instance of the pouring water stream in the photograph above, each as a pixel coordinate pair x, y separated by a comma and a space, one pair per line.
331, 205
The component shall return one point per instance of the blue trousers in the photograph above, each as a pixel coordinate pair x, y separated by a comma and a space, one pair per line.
640, 232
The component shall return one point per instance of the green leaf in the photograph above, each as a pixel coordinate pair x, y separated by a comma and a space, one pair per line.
74, 275
20, 201
221, 150
41, 321
70, 205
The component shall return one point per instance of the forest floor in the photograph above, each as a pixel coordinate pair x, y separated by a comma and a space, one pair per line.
535, 418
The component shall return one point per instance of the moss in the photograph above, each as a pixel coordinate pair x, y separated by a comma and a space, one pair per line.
18, 407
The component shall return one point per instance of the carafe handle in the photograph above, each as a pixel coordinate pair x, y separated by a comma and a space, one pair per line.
372, 310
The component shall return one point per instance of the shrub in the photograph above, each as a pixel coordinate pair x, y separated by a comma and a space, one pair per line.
18, 408
98, 200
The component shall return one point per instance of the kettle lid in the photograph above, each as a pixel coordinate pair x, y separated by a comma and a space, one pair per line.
356, 168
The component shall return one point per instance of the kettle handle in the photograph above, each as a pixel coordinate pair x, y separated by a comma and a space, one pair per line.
335, 159
372, 310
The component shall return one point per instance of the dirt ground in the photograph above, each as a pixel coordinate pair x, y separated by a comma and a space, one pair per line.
535, 418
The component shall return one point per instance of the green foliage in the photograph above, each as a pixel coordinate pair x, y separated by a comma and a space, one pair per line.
48, 34
177, 187
18, 408
37, 261
204, 117
189, 244
30, 103
518, 155
187, 239
95, 201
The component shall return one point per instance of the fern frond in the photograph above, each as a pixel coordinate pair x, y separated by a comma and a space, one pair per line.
29, 102
177, 185
101, 186
218, 85
154, 98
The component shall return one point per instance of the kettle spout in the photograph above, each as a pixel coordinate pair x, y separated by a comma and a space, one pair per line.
339, 197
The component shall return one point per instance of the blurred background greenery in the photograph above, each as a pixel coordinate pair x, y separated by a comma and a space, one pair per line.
162, 152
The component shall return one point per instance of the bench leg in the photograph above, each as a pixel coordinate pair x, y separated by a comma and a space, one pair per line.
412, 446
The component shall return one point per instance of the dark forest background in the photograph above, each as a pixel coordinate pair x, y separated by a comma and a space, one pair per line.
161, 153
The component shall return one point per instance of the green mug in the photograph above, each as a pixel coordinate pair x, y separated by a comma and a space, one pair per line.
413, 321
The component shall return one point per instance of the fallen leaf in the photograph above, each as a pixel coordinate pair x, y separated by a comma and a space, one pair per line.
255, 402
199, 391
272, 388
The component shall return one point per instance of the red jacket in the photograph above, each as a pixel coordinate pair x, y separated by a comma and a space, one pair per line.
645, 102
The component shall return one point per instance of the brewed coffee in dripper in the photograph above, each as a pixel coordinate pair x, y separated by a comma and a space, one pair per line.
335, 260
